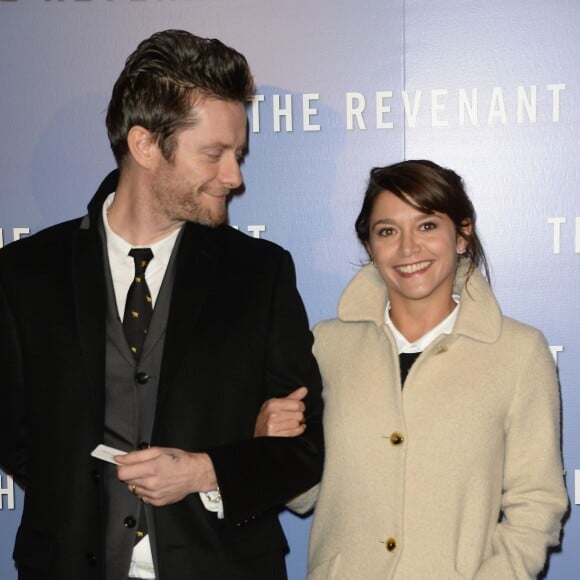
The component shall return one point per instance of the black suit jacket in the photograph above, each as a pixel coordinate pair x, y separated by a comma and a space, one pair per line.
237, 334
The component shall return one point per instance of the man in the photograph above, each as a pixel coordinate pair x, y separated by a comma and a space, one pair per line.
152, 327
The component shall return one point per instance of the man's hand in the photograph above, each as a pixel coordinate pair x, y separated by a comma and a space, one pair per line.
282, 417
162, 476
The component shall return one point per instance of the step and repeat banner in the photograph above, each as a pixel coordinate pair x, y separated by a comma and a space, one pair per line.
489, 89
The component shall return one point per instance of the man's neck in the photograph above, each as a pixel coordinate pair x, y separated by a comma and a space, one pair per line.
134, 216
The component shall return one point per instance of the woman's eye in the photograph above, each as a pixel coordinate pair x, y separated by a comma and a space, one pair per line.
428, 226
383, 232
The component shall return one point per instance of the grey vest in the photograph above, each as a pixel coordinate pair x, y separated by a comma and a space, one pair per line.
130, 401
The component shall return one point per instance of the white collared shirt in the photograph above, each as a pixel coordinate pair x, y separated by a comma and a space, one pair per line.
123, 266
419, 345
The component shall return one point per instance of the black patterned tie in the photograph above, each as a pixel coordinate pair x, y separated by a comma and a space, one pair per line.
139, 306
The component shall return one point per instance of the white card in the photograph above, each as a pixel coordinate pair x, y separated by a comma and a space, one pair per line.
106, 453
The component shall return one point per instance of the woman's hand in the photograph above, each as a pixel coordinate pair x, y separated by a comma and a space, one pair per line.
282, 417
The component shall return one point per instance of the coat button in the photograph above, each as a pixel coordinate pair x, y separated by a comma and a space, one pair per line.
91, 558
95, 475
142, 378
397, 438
390, 544
143, 445
130, 522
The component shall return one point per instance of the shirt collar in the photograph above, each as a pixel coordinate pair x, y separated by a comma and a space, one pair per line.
419, 345
118, 248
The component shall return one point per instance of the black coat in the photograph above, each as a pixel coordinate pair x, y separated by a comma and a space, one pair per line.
237, 334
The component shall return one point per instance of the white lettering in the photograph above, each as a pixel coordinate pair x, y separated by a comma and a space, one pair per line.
467, 107
382, 109
17, 233
7, 491
555, 350
446, 107
529, 104
285, 112
308, 111
437, 107
256, 100
355, 106
556, 222
555, 89
257, 230
497, 107
411, 114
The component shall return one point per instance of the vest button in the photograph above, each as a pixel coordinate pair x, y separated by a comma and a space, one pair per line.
391, 544
130, 522
142, 378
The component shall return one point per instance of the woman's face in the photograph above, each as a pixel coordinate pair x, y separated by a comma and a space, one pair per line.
415, 253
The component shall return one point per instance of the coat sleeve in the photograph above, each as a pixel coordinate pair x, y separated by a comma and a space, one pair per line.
534, 497
257, 475
13, 455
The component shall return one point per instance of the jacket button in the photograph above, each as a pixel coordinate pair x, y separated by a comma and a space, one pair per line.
397, 438
142, 378
390, 544
95, 475
143, 445
130, 522
91, 558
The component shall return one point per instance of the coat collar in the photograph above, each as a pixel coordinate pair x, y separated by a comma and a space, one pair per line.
365, 299
89, 289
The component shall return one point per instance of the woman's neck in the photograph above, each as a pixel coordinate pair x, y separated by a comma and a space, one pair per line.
414, 319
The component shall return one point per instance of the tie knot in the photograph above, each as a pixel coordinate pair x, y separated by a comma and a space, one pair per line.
142, 257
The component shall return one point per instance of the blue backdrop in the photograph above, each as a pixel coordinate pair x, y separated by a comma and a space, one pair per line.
489, 89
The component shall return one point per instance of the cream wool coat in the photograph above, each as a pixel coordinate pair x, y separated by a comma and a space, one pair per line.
415, 480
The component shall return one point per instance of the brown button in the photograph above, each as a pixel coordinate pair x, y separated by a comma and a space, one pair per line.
397, 438
391, 544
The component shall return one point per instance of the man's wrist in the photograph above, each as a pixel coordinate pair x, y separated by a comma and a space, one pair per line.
205, 476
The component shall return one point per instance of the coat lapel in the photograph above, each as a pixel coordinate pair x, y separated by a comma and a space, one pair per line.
90, 293
195, 269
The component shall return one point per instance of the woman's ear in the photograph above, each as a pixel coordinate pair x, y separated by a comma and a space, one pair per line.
464, 236
369, 253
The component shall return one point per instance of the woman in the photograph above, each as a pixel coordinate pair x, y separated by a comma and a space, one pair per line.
442, 418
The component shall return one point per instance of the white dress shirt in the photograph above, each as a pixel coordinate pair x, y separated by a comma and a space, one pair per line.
419, 345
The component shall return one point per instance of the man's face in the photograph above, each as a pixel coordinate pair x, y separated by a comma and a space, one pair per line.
194, 184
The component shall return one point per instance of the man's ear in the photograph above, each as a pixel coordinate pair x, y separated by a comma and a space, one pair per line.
142, 146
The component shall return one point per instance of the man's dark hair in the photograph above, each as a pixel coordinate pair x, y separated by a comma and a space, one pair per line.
162, 81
